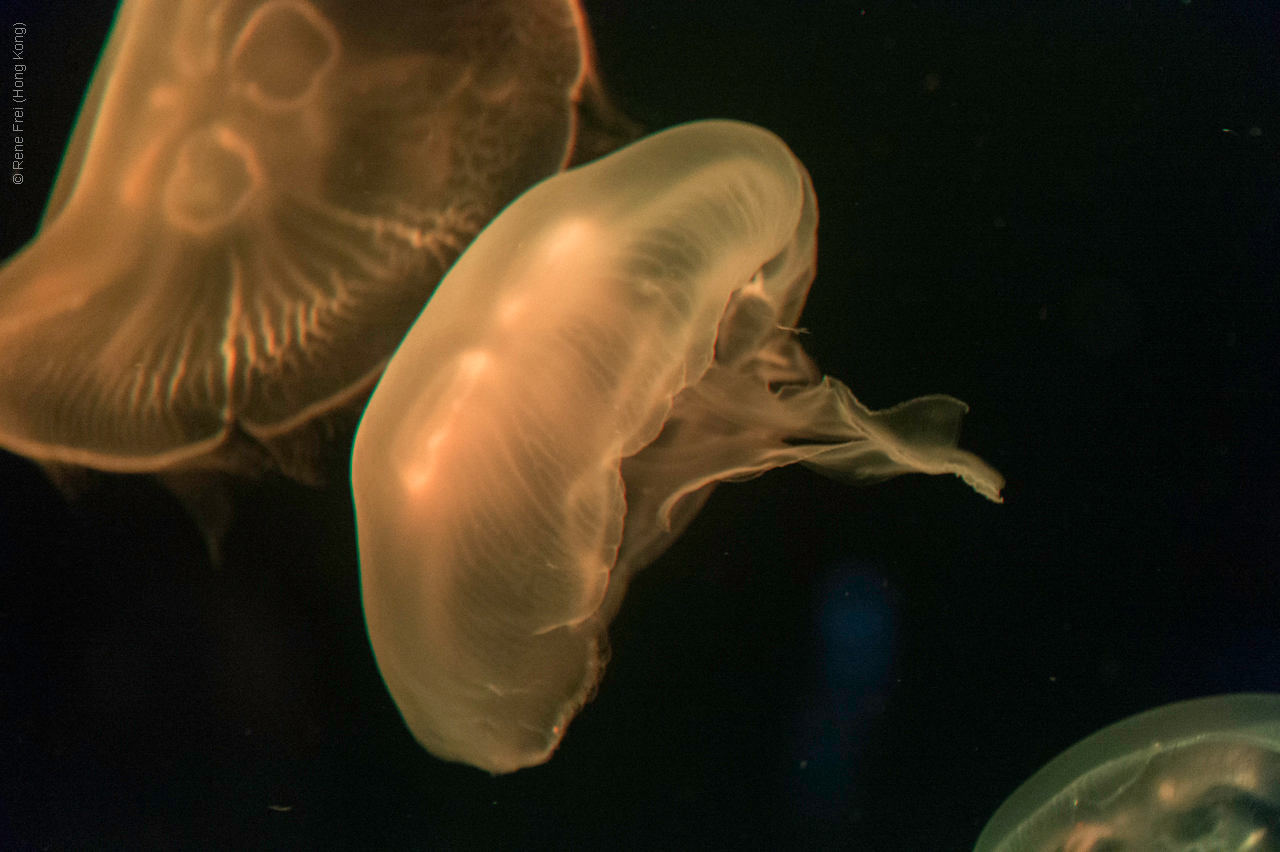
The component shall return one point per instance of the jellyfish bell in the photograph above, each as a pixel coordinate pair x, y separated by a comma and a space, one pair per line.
615, 343
1196, 776
257, 199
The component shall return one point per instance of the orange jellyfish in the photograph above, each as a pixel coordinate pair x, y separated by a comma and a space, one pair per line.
620, 339
257, 200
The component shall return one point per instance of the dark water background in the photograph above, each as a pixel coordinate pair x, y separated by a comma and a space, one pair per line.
1066, 214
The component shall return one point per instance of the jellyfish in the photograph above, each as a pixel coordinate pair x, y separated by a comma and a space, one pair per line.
257, 199
1196, 776
620, 339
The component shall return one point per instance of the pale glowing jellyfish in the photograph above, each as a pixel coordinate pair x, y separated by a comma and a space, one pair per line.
1197, 776
611, 346
255, 204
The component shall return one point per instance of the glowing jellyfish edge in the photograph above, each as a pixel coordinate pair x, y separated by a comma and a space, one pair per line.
1192, 776
615, 343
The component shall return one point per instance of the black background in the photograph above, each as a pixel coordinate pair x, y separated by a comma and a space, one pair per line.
1065, 214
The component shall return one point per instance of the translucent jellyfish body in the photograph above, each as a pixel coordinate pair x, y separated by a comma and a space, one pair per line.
611, 346
256, 202
1197, 776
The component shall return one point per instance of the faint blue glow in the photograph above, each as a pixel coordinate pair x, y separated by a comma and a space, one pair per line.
855, 623
856, 628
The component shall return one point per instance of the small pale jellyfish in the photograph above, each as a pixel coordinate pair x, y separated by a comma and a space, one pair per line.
257, 200
1197, 776
617, 341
